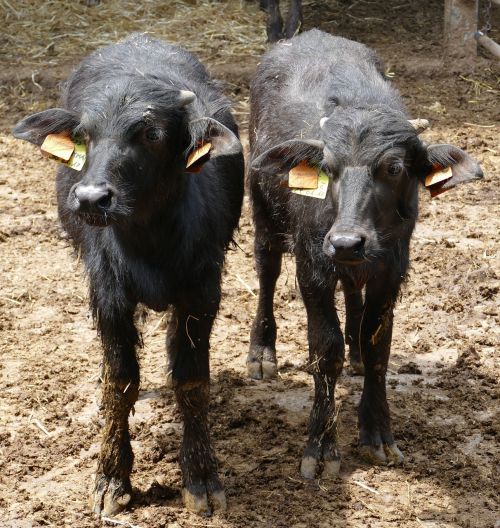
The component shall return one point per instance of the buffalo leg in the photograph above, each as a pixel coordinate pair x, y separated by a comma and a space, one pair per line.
326, 356
294, 19
274, 21
188, 337
354, 311
261, 360
375, 435
120, 388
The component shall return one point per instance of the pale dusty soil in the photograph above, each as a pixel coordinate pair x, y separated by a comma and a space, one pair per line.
443, 378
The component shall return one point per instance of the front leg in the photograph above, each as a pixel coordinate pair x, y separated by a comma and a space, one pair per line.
354, 312
375, 435
188, 343
120, 388
326, 356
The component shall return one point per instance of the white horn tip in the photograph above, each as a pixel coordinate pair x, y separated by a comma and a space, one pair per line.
419, 124
322, 121
186, 97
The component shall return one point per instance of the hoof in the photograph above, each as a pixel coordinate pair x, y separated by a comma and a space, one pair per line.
356, 368
311, 468
261, 363
382, 455
111, 496
197, 500
269, 369
254, 370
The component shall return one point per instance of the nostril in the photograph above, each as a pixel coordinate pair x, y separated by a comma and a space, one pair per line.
92, 198
105, 201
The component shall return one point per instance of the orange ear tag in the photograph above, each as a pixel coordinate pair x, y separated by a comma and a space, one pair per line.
303, 176
58, 147
198, 157
435, 180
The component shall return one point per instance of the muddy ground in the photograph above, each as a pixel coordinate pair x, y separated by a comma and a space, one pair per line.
443, 377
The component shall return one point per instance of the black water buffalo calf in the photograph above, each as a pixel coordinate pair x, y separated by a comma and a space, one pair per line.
276, 30
149, 232
324, 100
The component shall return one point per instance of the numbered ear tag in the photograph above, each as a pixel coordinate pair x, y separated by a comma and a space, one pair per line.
198, 157
306, 180
58, 147
303, 176
435, 180
62, 148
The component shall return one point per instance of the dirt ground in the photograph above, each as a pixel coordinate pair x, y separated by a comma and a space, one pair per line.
443, 377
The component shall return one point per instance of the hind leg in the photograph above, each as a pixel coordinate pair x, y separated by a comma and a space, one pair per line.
261, 359
294, 19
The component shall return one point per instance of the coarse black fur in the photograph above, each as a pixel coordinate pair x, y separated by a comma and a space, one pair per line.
325, 100
157, 235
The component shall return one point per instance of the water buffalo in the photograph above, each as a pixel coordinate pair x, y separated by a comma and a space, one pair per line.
151, 231
322, 104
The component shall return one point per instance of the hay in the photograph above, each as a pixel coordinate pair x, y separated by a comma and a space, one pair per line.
40, 33
50, 37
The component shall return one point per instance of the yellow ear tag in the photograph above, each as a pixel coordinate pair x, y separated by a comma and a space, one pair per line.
317, 176
77, 160
435, 180
63, 149
198, 157
303, 176
58, 147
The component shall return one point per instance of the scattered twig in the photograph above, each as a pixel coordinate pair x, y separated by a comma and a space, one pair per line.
366, 487
247, 287
480, 126
120, 523
33, 80
157, 325
187, 330
40, 426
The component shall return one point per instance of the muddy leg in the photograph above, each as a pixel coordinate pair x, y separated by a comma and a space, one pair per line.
261, 359
375, 435
274, 21
189, 339
326, 355
354, 311
294, 19
112, 488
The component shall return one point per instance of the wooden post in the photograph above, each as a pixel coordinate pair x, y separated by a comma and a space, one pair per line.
460, 25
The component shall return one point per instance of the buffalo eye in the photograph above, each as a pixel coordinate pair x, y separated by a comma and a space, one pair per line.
395, 169
153, 134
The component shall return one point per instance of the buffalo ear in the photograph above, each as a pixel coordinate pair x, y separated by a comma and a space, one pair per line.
460, 166
282, 157
210, 133
36, 127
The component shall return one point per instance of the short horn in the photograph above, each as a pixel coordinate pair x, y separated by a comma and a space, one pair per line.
419, 124
322, 122
186, 97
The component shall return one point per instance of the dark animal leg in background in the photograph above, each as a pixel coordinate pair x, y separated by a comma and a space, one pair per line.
375, 435
189, 333
112, 489
261, 360
294, 19
354, 311
274, 21
326, 356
